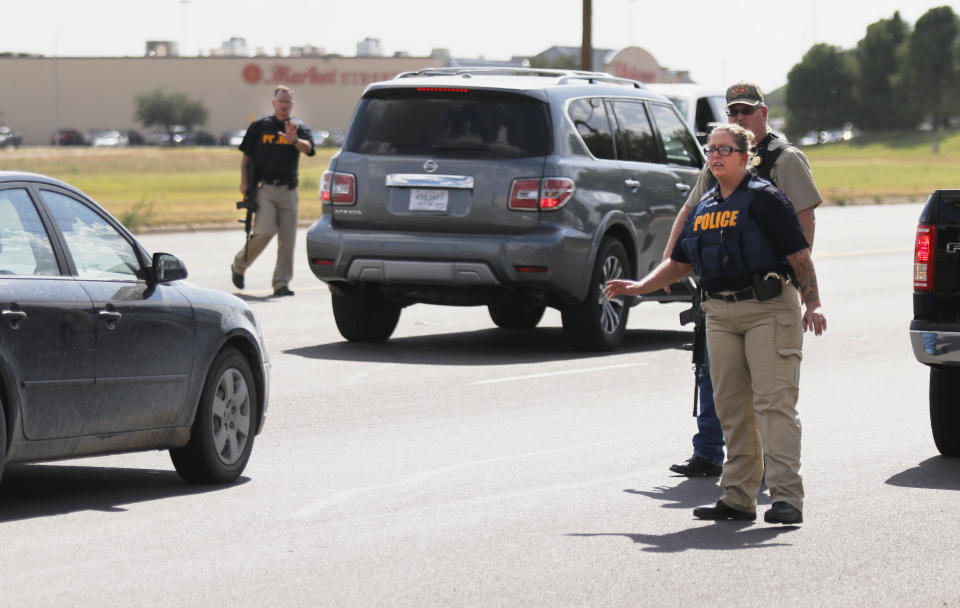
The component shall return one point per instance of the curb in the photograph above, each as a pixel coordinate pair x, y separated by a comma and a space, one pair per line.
213, 226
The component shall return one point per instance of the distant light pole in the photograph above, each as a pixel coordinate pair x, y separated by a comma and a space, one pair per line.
56, 86
183, 28
586, 44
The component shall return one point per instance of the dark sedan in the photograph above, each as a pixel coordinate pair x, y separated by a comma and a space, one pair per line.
105, 348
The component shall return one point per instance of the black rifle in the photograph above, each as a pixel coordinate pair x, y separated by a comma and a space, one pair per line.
695, 315
249, 202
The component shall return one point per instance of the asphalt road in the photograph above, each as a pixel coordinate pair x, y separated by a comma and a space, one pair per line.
463, 465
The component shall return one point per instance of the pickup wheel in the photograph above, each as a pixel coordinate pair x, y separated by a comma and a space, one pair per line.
516, 314
945, 409
598, 323
363, 315
3, 437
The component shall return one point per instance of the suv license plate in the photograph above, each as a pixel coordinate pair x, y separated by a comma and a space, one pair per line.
428, 200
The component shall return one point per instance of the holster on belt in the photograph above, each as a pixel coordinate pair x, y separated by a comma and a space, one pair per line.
767, 285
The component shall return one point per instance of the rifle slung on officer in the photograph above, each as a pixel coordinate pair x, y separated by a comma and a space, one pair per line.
249, 202
695, 315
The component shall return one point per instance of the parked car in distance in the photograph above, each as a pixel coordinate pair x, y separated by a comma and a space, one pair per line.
847, 132
702, 107
107, 138
327, 139
104, 347
180, 136
935, 328
9, 138
515, 189
233, 138
67, 137
134, 137
200, 138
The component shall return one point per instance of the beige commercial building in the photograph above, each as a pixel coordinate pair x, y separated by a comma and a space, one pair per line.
42, 94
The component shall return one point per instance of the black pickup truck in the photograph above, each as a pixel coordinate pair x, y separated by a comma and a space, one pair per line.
935, 329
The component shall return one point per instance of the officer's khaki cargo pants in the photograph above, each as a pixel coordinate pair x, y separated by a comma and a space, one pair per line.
755, 351
276, 214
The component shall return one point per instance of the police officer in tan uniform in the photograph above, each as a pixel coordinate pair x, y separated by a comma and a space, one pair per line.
745, 243
788, 169
273, 144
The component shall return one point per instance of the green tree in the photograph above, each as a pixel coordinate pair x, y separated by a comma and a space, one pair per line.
932, 65
880, 95
820, 90
166, 110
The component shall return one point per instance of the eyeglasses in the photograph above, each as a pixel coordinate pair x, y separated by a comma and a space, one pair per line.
721, 150
745, 110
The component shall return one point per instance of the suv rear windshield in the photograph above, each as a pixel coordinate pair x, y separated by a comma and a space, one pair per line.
460, 124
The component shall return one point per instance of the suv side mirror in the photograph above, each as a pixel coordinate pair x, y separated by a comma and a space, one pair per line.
167, 267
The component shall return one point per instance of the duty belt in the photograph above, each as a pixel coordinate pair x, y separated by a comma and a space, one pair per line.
747, 293
279, 181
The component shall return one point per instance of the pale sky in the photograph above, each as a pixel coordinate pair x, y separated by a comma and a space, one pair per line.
718, 42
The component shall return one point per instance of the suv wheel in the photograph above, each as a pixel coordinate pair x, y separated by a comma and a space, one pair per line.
598, 323
516, 314
363, 315
945, 409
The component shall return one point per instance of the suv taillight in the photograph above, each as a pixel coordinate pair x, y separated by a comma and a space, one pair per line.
923, 258
338, 188
547, 194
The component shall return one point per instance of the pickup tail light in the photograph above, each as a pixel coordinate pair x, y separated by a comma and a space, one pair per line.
924, 258
338, 188
547, 194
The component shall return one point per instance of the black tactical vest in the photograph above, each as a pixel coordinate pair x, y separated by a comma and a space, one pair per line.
723, 242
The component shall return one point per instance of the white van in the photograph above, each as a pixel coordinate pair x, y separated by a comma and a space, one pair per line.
702, 107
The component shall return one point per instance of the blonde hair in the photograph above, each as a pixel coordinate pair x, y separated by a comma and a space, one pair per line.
743, 138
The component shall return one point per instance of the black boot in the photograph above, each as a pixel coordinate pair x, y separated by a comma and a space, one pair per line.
783, 513
722, 511
697, 467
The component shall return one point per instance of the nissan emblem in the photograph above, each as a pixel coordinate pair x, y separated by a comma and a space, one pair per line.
430, 166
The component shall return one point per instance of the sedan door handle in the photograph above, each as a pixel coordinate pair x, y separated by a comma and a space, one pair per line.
682, 187
111, 317
633, 184
14, 317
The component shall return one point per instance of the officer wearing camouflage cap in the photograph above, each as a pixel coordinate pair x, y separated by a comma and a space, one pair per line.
788, 168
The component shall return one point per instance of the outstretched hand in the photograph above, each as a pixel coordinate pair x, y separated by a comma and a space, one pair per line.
618, 287
290, 132
814, 320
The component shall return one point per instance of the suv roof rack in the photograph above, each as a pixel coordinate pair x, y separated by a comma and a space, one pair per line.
562, 76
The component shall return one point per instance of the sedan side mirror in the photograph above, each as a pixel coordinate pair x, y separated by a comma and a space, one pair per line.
167, 267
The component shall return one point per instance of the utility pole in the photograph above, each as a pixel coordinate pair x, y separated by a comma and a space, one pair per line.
586, 44
183, 28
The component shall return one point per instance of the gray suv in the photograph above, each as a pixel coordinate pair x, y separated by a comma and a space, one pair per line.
516, 189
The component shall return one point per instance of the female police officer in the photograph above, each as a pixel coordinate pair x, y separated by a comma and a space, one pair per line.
745, 243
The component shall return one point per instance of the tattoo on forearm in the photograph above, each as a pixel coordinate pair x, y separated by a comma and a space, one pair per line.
807, 282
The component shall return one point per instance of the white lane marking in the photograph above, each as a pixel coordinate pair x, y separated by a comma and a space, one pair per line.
847, 254
582, 370
362, 375
345, 495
